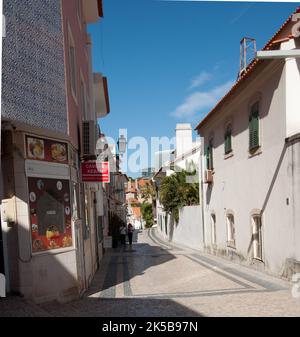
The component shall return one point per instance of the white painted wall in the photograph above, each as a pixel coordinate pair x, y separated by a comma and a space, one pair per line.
189, 228
184, 139
56, 282
188, 231
292, 80
244, 183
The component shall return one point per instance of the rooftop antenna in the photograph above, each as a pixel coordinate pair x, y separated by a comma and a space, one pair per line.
247, 53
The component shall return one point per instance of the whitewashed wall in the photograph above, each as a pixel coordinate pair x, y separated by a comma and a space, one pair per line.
267, 181
188, 231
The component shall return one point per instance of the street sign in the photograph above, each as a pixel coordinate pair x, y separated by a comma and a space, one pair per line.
90, 172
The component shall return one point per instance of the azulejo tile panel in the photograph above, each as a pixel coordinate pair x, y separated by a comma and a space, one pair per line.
33, 75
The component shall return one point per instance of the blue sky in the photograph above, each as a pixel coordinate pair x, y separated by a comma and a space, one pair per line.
169, 62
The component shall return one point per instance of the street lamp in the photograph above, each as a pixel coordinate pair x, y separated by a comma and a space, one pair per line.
122, 144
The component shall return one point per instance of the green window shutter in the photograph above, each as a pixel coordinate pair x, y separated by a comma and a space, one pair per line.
250, 133
228, 142
211, 157
254, 128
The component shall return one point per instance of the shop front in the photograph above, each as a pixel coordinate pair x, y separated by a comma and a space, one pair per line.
48, 178
44, 219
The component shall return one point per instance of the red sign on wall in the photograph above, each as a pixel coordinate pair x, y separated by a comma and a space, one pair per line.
90, 172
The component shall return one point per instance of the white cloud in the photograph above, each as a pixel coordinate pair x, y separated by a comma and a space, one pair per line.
201, 100
200, 79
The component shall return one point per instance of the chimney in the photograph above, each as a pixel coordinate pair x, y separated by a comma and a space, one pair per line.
184, 138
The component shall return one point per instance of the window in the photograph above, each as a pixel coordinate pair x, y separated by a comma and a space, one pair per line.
209, 155
213, 229
50, 213
257, 237
72, 60
230, 231
254, 127
227, 140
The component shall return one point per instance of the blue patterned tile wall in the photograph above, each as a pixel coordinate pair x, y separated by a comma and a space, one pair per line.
33, 74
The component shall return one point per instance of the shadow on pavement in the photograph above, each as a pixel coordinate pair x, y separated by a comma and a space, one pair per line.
118, 267
120, 307
122, 264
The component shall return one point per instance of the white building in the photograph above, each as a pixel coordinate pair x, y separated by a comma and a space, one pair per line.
186, 156
251, 194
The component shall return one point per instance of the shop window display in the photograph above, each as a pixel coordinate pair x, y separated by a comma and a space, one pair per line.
50, 213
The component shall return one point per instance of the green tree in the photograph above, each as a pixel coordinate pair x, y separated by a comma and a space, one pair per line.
176, 192
149, 194
148, 191
147, 214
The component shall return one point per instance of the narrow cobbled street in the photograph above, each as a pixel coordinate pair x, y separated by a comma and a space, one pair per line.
154, 278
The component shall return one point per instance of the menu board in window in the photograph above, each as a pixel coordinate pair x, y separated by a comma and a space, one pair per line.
46, 150
50, 213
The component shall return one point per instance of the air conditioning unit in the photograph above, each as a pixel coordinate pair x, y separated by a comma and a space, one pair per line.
88, 138
208, 176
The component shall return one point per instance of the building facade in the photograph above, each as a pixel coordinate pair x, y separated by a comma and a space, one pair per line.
251, 184
48, 216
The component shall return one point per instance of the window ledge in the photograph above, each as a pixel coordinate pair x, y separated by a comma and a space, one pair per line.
254, 152
228, 155
55, 251
257, 261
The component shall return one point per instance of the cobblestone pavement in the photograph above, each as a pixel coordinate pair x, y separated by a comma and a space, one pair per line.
155, 278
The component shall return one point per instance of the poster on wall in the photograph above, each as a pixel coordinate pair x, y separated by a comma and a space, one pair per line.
50, 213
46, 149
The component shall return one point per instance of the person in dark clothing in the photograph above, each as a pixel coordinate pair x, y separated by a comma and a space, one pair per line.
130, 230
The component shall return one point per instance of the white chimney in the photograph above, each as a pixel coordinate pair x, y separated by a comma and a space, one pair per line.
184, 138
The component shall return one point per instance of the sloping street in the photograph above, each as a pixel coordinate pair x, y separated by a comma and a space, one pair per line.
154, 278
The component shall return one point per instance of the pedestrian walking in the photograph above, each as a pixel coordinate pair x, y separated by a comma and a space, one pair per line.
130, 230
123, 234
